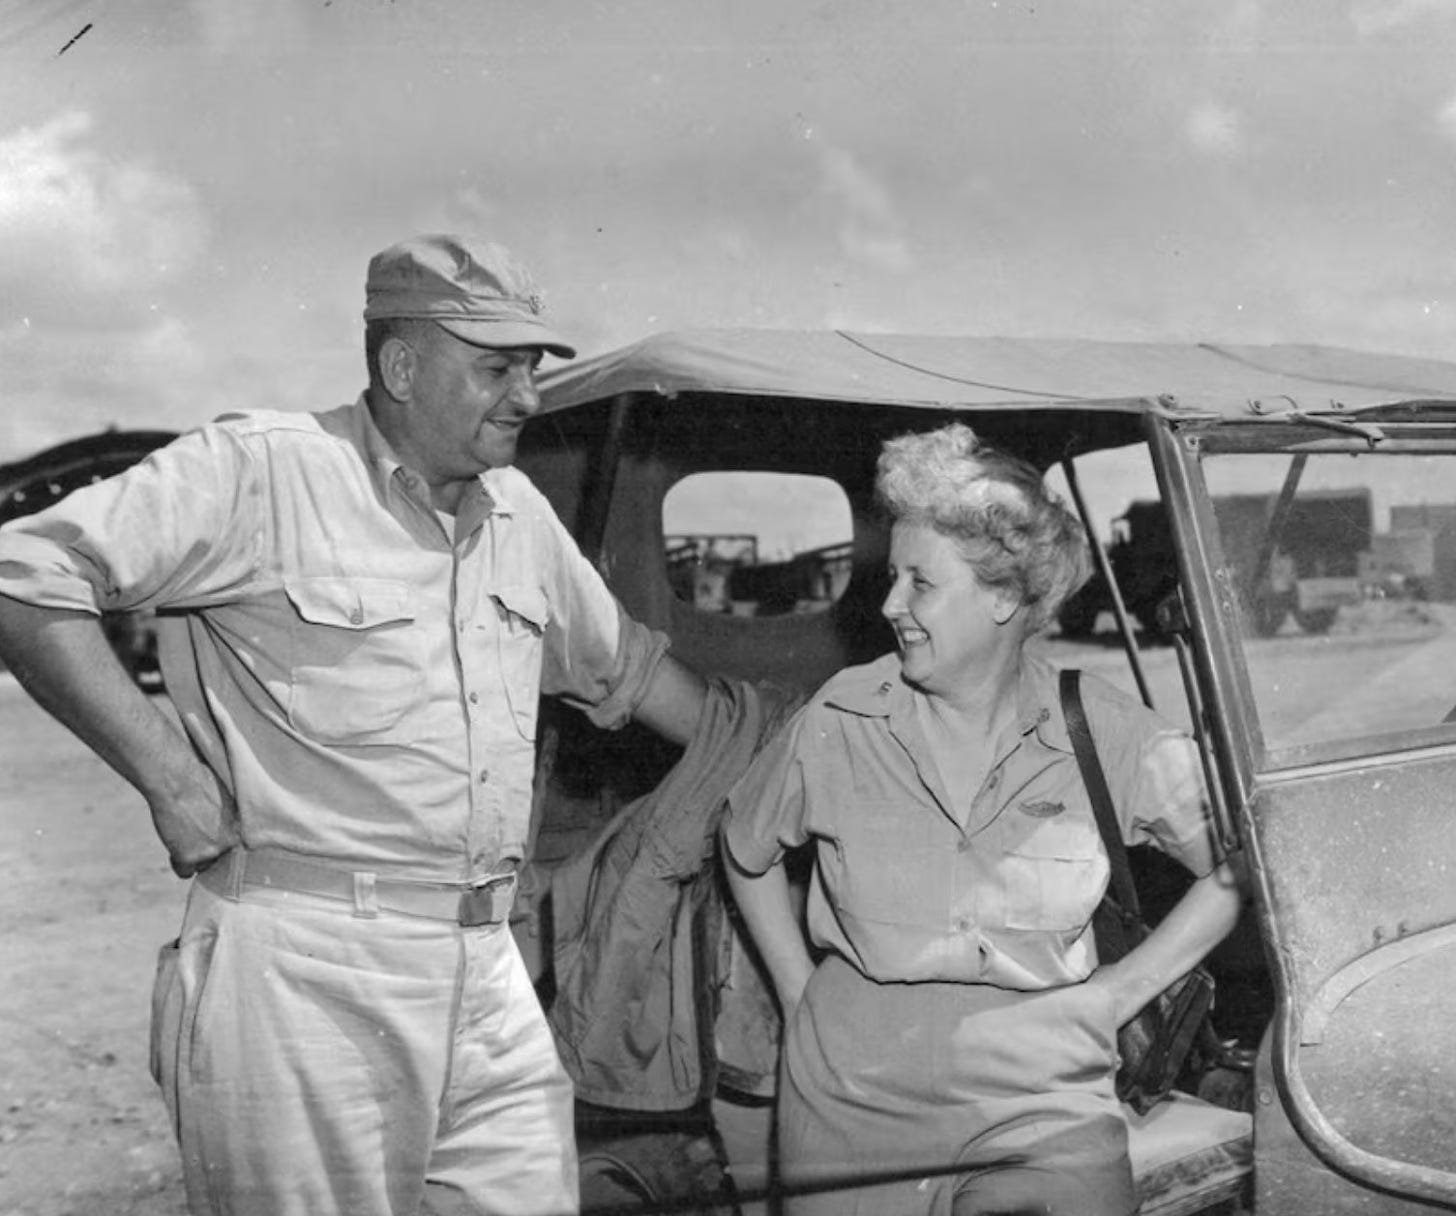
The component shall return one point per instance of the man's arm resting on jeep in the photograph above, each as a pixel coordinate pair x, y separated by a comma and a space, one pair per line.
673, 702
62, 658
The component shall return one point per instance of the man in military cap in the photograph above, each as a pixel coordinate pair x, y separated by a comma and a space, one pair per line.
368, 602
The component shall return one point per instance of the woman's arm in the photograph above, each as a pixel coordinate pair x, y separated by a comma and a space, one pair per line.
1200, 920
768, 908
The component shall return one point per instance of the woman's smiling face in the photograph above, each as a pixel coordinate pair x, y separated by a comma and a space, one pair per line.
946, 620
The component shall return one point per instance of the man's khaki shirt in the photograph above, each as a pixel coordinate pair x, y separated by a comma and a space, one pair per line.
364, 683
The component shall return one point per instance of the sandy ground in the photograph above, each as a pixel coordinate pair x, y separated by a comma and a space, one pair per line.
87, 900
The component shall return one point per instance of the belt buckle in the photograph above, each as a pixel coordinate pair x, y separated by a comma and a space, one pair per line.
487, 902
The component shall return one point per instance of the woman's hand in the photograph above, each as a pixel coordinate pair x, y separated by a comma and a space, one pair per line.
770, 915
789, 987
1200, 920
1124, 998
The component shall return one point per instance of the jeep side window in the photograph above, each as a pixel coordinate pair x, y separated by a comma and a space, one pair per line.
757, 544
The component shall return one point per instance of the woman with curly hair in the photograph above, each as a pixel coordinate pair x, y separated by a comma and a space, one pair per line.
946, 1013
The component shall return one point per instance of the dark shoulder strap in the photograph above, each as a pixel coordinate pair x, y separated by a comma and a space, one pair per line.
1123, 888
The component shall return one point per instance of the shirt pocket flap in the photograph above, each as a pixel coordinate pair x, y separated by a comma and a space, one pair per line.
1066, 836
351, 603
525, 601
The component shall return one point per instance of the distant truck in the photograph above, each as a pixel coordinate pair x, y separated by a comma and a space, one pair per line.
1309, 563
1416, 559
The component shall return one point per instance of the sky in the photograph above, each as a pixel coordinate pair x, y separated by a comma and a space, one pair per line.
190, 189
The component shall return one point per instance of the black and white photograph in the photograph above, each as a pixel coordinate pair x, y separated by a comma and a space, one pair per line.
758, 608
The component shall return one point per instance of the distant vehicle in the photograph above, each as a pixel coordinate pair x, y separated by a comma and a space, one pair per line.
28, 485
1416, 559
1144, 565
1302, 557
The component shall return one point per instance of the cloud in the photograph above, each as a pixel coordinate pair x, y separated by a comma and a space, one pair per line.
224, 26
61, 384
1446, 119
169, 373
869, 228
86, 239
1214, 129
1215, 27
1371, 17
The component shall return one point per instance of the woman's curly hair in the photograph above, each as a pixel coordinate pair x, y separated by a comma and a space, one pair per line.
1014, 533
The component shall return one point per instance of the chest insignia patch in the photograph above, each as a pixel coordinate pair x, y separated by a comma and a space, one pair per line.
1042, 810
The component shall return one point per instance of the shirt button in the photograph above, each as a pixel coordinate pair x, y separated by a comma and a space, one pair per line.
964, 846
475, 698
484, 775
993, 781
356, 617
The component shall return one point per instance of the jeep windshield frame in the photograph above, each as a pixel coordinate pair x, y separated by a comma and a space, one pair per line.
1344, 827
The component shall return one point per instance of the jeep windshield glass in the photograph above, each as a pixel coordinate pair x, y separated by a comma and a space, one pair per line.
1344, 571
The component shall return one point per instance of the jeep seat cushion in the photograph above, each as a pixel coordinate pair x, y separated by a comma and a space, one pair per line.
1188, 1155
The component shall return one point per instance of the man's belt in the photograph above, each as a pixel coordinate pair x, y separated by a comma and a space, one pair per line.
485, 901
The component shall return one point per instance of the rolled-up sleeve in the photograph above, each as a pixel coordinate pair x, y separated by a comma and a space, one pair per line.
1173, 811
767, 805
179, 529
611, 693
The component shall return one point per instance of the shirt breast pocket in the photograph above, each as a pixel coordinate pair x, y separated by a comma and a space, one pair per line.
888, 868
524, 613
1054, 875
358, 657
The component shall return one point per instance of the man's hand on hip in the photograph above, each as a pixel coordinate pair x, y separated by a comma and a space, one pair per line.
197, 823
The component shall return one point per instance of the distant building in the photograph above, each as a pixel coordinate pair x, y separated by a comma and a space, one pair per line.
1423, 536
